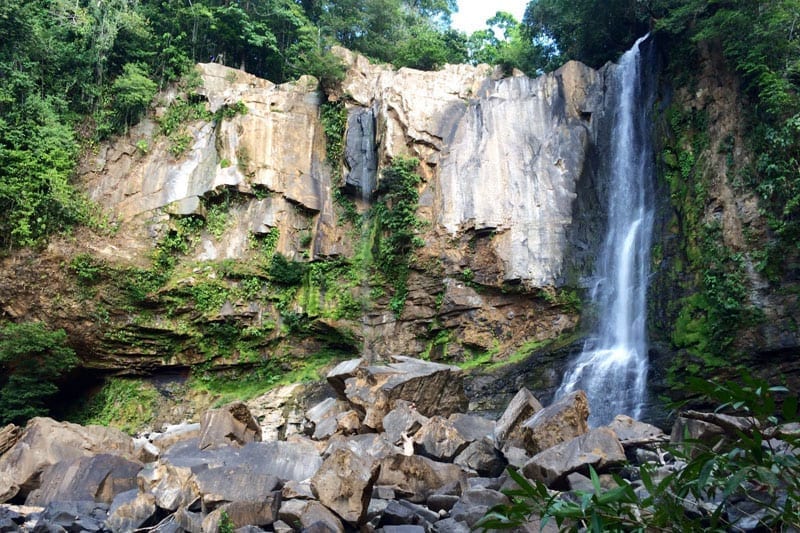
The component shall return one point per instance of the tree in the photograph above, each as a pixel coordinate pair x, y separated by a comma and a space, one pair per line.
33, 358
132, 92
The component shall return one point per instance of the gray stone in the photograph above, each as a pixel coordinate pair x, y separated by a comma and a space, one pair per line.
302, 514
242, 513
451, 525
432, 388
441, 502
131, 510
344, 484
475, 503
417, 477
341, 373
98, 478
508, 430
563, 420
279, 526
482, 457
598, 448
45, 442
300, 490
229, 425
439, 440
242, 482
631, 432
188, 520
402, 419
407, 528
400, 512
472, 427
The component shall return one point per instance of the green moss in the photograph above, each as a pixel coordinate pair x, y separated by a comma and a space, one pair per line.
126, 404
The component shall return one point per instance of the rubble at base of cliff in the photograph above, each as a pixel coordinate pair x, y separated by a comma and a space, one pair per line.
392, 449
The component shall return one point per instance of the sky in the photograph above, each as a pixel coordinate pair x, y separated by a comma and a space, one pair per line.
472, 14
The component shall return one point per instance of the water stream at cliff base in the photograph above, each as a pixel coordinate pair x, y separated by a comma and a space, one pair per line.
612, 367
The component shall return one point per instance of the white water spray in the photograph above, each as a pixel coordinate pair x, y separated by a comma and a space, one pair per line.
612, 368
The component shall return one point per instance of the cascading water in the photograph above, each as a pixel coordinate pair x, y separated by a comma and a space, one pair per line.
612, 367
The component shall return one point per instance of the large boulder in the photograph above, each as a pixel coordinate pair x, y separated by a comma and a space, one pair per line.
599, 448
323, 418
130, 511
344, 484
559, 422
433, 389
416, 477
244, 513
508, 429
439, 439
229, 425
307, 514
483, 458
632, 432
97, 478
45, 442
375, 445
403, 419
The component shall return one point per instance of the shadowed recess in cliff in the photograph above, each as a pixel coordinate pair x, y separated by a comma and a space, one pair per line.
613, 365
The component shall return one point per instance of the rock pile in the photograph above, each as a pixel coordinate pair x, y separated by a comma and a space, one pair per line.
392, 451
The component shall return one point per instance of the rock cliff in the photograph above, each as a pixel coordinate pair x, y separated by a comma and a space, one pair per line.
240, 236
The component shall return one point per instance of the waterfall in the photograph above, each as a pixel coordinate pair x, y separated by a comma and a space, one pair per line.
612, 368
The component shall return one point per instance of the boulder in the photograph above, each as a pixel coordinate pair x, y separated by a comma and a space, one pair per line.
483, 458
244, 513
401, 512
172, 485
81, 516
98, 478
344, 484
244, 481
299, 490
188, 520
45, 442
9, 435
472, 427
563, 420
599, 448
439, 440
475, 503
433, 389
416, 477
375, 445
631, 432
322, 418
130, 511
229, 425
404, 418
341, 373
303, 514
522, 406
175, 433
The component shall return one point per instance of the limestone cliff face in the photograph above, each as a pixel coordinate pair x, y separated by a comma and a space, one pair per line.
508, 200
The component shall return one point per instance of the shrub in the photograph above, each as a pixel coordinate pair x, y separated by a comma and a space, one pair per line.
33, 358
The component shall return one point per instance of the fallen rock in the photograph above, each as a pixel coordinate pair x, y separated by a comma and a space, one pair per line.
9, 435
522, 406
344, 484
439, 440
404, 418
415, 477
631, 432
130, 511
472, 427
175, 433
475, 503
599, 448
483, 458
341, 373
565, 419
98, 479
244, 513
401, 512
305, 514
45, 442
433, 388
229, 425
245, 481
375, 445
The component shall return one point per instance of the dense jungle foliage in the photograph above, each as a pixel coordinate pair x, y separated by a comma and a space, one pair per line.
75, 72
